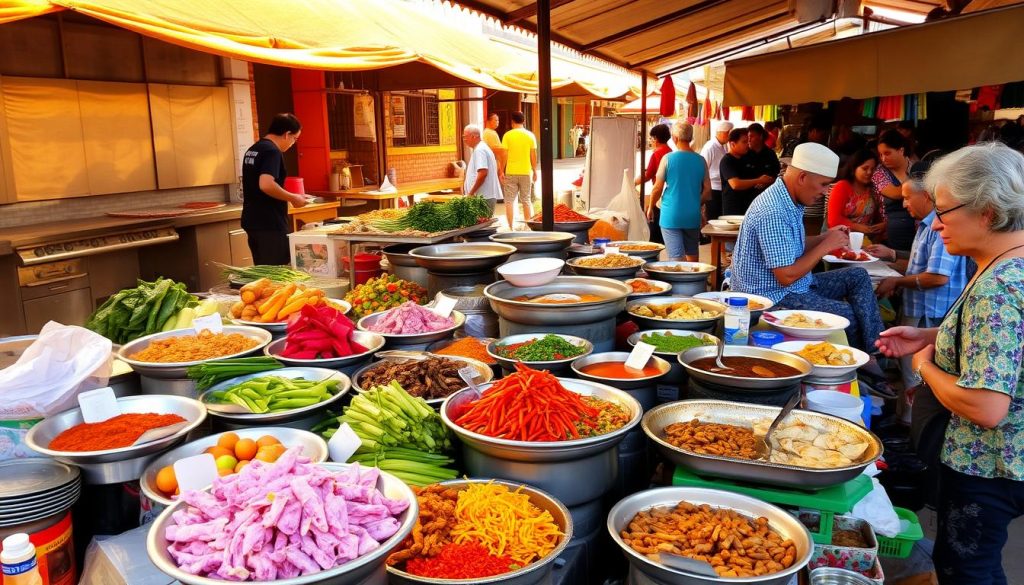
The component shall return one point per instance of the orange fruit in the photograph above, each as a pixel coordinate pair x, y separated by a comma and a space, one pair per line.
240, 466
222, 471
165, 480
267, 440
270, 453
245, 449
228, 440
217, 451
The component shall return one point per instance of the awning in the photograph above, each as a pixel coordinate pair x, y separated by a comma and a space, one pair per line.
633, 107
335, 35
961, 52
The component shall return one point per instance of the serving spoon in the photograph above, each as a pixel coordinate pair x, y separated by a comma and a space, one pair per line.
686, 564
764, 447
467, 374
718, 357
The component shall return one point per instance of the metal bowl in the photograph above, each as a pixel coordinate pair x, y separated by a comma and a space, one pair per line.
533, 242
689, 356
398, 255
280, 326
779, 521
553, 366
484, 372
125, 463
293, 417
177, 370
312, 446
355, 572
764, 472
368, 339
658, 270
532, 574
677, 373
613, 293
554, 466
568, 226
644, 254
619, 356
464, 258
629, 271
412, 338
666, 288
688, 324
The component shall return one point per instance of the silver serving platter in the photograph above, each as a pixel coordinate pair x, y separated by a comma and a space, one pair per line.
42, 434
372, 341
354, 572
281, 326
574, 264
271, 418
689, 324
764, 472
412, 338
613, 293
553, 366
312, 446
570, 226
657, 270
644, 254
484, 372
398, 255
531, 574
779, 521
722, 379
532, 242
176, 370
619, 356
462, 258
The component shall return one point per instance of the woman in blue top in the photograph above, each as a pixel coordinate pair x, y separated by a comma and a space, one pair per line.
684, 181
974, 361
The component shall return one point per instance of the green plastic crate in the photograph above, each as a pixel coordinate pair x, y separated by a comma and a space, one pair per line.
899, 546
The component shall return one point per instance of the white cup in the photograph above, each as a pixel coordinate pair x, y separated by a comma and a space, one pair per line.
856, 241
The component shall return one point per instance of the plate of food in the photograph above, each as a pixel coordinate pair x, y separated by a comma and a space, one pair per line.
848, 256
829, 360
806, 324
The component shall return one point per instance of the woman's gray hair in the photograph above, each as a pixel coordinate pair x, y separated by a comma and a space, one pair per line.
682, 131
984, 177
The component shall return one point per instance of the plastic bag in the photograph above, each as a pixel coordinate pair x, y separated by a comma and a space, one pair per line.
120, 560
876, 509
626, 205
64, 361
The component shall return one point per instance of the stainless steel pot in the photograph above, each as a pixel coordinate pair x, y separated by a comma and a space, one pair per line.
802, 366
612, 292
404, 266
534, 242
481, 321
578, 229
683, 283
556, 466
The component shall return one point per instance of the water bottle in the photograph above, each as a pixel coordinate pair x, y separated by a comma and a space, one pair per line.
737, 321
19, 561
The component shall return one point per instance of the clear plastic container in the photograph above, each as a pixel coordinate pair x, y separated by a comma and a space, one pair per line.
737, 321
19, 561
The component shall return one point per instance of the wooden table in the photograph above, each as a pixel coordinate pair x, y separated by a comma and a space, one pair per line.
718, 240
312, 212
386, 200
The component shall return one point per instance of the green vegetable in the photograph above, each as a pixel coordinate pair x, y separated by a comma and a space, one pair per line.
548, 348
666, 342
458, 212
274, 273
275, 394
400, 434
140, 311
211, 373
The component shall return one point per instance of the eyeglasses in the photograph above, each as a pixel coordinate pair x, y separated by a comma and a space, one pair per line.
939, 214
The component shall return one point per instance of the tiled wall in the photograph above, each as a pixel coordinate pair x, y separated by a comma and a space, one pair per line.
33, 212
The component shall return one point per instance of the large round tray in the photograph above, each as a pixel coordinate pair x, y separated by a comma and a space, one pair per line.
574, 264
614, 295
273, 418
463, 258
657, 271
484, 372
532, 242
176, 370
372, 341
764, 472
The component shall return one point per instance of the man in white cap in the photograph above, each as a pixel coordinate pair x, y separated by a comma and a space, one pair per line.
714, 151
774, 256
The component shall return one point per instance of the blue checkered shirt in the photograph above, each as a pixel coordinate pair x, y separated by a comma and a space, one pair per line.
771, 236
928, 254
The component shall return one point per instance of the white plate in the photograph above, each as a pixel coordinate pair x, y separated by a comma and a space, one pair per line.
835, 322
834, 260
723, 297
723, 226
734, 219
860, 358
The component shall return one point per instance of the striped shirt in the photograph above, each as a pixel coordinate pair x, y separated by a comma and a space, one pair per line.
771, 236
928, 254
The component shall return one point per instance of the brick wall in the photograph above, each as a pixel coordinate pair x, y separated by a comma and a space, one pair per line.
422, 167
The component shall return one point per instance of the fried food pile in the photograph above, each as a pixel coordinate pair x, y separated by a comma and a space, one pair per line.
683, 311
826, 354
713, 439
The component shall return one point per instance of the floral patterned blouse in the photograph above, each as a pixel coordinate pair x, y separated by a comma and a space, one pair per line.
992, 329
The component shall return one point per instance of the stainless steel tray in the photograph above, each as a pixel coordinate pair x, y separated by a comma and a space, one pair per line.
484, 372
743, 414
269, 418
657, 270
802, 366
366, 322
614, 293
532, 242
689, 324
462, 258
177, 370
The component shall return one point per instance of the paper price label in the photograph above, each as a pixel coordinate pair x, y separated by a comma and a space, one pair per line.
211, 323
641, 353
196, 472
610, 250
343, 443
444, 306
98, 405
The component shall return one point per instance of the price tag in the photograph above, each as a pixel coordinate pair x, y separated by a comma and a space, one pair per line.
196, 472
211, 323
98, 405
444, 306
610, 250
638, 357
343, 443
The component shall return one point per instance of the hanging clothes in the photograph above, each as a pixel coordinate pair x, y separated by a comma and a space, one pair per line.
668, 98
691, 101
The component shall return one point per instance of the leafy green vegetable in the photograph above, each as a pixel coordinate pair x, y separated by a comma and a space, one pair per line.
456, 213
140, 311
274, 273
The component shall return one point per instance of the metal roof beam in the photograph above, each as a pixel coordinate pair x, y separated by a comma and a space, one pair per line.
640, 28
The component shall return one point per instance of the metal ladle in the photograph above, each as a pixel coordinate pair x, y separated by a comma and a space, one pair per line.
686, 564
764, 448
718, 357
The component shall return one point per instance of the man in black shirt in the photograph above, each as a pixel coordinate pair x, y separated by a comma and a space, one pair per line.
265, 201
740, 180
763, 159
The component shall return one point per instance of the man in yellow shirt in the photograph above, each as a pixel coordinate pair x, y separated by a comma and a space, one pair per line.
492, 140
520, 146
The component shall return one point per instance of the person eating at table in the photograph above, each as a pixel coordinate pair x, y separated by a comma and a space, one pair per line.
774, 256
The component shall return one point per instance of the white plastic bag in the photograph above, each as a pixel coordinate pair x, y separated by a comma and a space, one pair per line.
627, 205
49, 375
876, 509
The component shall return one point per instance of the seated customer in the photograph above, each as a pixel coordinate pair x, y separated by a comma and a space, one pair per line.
853, 201
774, 256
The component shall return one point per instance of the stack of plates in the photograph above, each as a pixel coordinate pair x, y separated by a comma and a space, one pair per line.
33, 489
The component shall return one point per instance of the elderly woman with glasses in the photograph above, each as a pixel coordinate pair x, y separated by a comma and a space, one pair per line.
973, 362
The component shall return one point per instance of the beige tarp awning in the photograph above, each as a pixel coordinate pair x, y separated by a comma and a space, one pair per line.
336, 35
966, 51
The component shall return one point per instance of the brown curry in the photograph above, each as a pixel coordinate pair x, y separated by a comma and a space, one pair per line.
746, 367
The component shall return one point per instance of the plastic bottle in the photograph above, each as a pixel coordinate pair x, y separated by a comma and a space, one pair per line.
737, 321
19, 561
